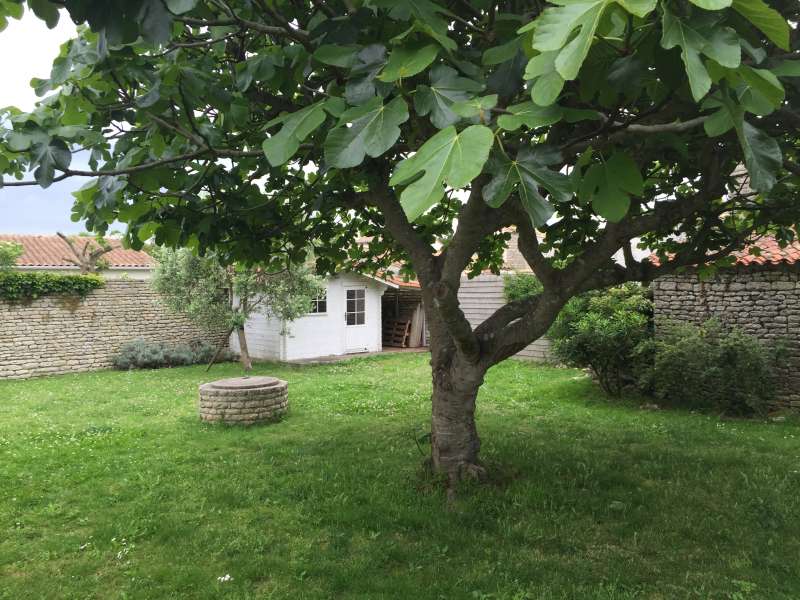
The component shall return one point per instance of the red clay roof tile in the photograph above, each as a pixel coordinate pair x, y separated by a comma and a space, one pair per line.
52, 251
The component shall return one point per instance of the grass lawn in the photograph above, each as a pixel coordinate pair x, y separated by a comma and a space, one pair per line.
110, 487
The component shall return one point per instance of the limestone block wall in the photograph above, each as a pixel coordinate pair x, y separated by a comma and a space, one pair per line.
764, 303
481, 296
53, 335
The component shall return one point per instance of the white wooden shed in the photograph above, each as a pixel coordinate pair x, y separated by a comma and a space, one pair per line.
346, 320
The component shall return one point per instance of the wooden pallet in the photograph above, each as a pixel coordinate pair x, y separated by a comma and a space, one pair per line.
395, 334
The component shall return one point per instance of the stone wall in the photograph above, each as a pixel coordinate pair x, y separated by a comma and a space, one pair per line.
60, 335
481, 296
764, 303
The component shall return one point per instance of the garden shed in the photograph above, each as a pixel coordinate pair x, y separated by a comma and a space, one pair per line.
346, 319
759, 294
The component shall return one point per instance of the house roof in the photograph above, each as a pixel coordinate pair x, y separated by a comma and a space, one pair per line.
402, 283
52, 251
769, 253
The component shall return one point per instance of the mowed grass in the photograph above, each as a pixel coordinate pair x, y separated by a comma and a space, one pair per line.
110, 487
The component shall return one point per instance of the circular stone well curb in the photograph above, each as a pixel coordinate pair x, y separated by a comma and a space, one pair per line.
244, 400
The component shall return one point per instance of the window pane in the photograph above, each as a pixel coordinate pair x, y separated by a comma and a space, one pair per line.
360, 318
351, 294
351, 318
360, 305
323, 306
351, 305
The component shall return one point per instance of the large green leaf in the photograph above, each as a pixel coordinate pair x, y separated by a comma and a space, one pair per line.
297, 126
45, 10
374, 129
610, 185
712, 4
448, 158
767, 19
530, 115
762, 156
361, 85
338, 56
694, 40
525, 176
179, 7
446, 89
426, 16
548, 83
48, 158
761, 92
556, 25
407, 61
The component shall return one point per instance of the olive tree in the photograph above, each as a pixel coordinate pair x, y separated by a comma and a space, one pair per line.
220, 297
258, 128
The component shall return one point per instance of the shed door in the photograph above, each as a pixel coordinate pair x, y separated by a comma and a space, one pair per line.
357, 331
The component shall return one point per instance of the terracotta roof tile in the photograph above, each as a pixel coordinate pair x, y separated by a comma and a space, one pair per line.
770, 253
52, 251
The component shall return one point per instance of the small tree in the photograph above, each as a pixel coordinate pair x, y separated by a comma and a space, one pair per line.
9, 253
217, 297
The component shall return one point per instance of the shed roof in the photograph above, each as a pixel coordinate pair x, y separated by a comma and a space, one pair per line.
52, 251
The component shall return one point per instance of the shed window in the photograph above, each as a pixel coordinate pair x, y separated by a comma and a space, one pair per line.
319, 305
356, 307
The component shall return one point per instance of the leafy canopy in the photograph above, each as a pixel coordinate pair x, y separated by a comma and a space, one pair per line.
260, 129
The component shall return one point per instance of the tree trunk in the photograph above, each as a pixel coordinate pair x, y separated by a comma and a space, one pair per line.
220, 348
244, 355
454, 437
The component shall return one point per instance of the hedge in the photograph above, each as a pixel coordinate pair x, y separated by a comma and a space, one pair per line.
23, 287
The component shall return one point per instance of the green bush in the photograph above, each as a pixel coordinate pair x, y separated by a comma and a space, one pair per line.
141, 354
9, 253
709, 368
20, 287
601, 330
520, 286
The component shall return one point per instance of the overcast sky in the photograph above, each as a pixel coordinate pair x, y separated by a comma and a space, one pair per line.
27, 49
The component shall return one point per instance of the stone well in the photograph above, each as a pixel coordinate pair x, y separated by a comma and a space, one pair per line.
244, 400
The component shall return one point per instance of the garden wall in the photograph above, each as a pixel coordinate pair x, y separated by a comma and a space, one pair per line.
481, 296
61, 335
763, 302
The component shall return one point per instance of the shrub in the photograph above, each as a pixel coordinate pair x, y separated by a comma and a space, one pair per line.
520, 286
9, 253
141, 354
709, 368
601, 330
21, 287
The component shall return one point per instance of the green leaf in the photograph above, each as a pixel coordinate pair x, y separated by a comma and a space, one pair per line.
49, 157
788, 68
425, 14
408, 61
530, 115
722, 44
767, 19
712, 4
375, 129
762, 156
525, 176
500, 54
297, 126
548, 82
338, 56
475, 107
446, 89
448, 158
46, 11
761, 93
556, 25
178, 7
361, 86
609, 186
